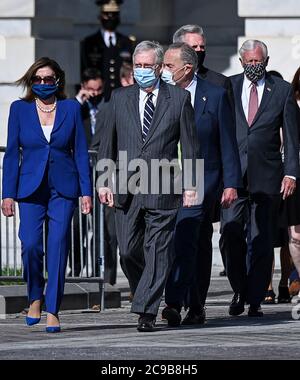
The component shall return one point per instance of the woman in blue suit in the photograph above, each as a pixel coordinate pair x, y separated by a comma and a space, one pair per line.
45, 169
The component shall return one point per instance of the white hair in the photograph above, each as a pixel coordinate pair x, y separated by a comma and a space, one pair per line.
181, 32
250, 45
150, 45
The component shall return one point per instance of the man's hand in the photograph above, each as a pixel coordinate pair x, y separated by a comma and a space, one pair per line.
228, 197
86, 205
106, 196
83, 95
190, 198
288, 186
8, 207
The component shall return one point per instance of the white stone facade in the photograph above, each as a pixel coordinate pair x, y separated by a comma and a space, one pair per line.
277, 23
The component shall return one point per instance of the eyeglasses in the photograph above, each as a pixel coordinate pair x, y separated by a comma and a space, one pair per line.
50, 80
145, 66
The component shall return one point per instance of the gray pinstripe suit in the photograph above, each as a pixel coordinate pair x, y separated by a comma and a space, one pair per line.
145, 222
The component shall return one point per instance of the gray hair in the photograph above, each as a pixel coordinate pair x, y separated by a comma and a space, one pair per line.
181, 32
150, 45
187, 54
253, 44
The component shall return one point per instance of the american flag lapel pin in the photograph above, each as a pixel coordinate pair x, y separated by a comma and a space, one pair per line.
204, 98
268, 88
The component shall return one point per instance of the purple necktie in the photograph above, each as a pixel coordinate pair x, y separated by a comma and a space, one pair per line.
253, 104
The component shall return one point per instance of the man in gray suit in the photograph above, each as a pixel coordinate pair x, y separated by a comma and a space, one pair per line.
147, 120
263, 105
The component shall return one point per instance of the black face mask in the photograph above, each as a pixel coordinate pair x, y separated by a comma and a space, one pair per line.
110, 24
95, 100
201, 57
255, 72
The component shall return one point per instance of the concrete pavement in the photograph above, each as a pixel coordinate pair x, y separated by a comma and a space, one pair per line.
112, 334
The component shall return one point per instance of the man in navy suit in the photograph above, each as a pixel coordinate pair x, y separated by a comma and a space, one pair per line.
191, 269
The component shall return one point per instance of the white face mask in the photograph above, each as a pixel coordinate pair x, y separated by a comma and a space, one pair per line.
168, 76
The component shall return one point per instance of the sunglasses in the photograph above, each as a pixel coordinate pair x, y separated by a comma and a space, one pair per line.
36, 79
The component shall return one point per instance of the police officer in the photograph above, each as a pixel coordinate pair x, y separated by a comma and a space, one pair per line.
107, 49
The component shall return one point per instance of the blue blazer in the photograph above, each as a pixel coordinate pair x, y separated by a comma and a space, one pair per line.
66, 155
216, 132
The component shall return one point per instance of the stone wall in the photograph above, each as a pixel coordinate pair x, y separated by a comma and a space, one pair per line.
277, 23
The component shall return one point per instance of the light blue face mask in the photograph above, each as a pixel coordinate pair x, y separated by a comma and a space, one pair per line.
167, 77
145, 78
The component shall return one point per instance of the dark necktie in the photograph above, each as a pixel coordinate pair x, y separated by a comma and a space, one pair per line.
148, 115
110, 41
253, 104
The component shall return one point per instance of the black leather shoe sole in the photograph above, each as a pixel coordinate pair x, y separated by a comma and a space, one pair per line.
255, 313
193, 320
146, 327
236, 310
172, 316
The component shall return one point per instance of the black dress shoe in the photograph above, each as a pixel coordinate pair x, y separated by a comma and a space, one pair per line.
146, 323
283, 295
255, 311
223, 273
172, 316
237, 305
194, 318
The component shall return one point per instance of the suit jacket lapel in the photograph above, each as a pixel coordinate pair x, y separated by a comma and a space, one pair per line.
238, 91
162, 105
267, 95
36, 121
200, 99
60, 115
134, 112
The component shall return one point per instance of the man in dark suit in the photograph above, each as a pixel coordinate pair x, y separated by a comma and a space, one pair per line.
107, 49
193, 35
110, 238
222, 176
90, 97
147, 120
264, 104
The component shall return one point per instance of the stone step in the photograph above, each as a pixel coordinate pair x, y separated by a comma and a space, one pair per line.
17, 8
268, 8
13, 298
272, 27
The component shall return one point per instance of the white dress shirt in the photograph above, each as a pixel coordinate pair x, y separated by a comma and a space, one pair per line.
143, 98
246, 93
47, 129
192, 89
106, 36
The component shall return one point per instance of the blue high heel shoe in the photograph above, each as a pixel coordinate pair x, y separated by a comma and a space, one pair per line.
53, 329
32, 321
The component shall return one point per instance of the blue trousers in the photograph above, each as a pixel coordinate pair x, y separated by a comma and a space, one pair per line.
189, 279
44, 203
